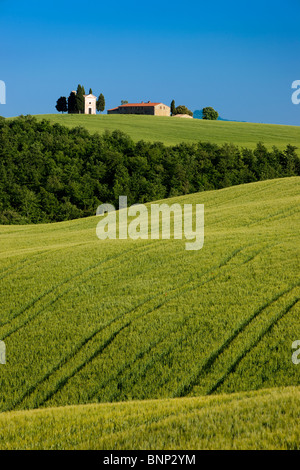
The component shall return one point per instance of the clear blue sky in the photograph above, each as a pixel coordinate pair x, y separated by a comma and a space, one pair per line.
239, 57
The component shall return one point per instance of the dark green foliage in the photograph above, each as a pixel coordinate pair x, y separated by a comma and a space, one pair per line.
173, 108
124, 102
100, 105
52, 173
62, 105
183, 110
72, 104
80, 99
90, 92
210, 114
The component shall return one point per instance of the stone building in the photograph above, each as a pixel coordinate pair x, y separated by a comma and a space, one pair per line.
90, 104
149, 108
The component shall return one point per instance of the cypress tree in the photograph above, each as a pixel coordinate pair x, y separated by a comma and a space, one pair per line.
173, 108
80, 99
72, 103
100, 105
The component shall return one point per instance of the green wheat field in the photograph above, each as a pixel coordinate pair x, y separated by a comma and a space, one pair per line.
172, 130
128, 344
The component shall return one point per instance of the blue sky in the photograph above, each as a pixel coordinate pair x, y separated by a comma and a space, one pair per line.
241, 58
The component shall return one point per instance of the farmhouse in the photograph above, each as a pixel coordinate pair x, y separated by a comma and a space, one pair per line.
153, 109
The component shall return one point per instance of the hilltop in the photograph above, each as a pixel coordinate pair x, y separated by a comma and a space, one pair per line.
172, 131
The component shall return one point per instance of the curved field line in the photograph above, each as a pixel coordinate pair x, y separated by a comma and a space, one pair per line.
233, 366
4, 272
60, 364
173, 345
283, 214
248, 194
225, 261
98, 351
186, 389
142, 354
254, 255
70, 356
24, 263
59, 296
66, 281
86, 340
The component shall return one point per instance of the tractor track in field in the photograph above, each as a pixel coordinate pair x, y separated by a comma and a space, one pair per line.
24, 262
224, 262
280, 215
144, 353
235, 364
64, 380
221, 264
247, 195
166, 353
188, 387
34, 301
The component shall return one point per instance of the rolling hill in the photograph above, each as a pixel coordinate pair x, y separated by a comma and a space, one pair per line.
90, 321
268, 419
174, 130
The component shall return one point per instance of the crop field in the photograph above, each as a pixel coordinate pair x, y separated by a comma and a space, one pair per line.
171, 131
268, 419
88, 321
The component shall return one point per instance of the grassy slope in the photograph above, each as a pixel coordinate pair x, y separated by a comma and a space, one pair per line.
175, 130
268, 419
86, 320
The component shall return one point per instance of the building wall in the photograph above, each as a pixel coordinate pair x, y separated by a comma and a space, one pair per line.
137, 110
90, 103
113, 111
162, 110
158, 110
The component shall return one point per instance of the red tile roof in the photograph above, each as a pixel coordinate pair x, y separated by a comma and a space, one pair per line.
138, 104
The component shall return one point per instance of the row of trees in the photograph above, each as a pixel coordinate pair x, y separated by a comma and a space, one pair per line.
51, 173
74, 104
208, 113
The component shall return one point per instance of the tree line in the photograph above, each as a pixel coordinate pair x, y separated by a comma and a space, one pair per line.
50, 173
208, 113
74, 104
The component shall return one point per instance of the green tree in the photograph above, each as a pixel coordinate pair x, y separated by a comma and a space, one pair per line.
124, 102
61, 104
72, 103
210, 114
80, 99
90, 92
173, 108
183, 110
100, 105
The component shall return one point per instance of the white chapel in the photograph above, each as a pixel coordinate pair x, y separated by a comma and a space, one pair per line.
90, 104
